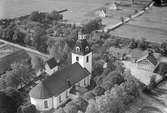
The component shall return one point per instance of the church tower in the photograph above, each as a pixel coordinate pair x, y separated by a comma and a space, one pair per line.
82, 52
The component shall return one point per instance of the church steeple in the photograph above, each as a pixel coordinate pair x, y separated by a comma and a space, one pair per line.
82, 52
82, 46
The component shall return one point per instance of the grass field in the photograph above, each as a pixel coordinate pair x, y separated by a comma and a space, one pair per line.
79, 9
151, 26
14, 8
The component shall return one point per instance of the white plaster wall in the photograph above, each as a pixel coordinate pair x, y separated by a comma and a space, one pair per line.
39, 103
82, 61
63, 98
50, 71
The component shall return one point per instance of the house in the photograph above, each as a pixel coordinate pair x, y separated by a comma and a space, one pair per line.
101, 12
59, 87
51, 66
147, 62
144, 68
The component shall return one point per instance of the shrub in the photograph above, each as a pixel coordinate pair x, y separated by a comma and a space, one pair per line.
98, 91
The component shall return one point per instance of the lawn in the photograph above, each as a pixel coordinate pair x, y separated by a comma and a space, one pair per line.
151, 25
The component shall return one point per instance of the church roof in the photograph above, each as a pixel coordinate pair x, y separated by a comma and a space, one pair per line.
52, 63
40, 91
82, 44
59, 81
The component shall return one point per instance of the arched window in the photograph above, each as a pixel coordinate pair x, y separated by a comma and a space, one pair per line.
60, 99
77, 58
46, 104
86, 48
77, 49
87, 59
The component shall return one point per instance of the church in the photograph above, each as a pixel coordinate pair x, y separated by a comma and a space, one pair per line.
59, 86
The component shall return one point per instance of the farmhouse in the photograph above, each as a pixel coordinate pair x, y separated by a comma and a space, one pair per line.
145, 67
61, 85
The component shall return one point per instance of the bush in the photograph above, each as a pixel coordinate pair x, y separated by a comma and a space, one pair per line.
30, 108
71, 107
81, 103
89, 95
98, 91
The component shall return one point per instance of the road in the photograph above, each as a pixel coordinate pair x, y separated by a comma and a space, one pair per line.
45, 56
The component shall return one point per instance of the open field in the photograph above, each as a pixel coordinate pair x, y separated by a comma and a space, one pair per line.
151, 26
15, 8
79, 10
6, 50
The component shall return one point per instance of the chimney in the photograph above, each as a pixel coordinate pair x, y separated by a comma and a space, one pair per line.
68, 82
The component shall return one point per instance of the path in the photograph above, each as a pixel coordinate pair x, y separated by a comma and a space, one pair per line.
26, 49
111, 27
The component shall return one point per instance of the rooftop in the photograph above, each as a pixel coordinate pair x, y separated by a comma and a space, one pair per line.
58, 82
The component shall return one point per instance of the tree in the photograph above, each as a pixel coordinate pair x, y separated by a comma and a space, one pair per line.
20, 75
89, 95
98, 91
59, 49
143, 44
54, 15
164, 48
30, 108
133, 44
18, 37
7, 104
71, 107
60, 110
35, 16
92, 25
40, 40
37, 63
92, 107
15, 95
81, 103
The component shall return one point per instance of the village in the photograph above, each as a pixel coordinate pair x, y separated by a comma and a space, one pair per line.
110, 59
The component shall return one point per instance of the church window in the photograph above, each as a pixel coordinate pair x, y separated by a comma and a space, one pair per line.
87, 59
77, 58
84, 82
46, 104
60, 99
87, 48
66, 94
77, 49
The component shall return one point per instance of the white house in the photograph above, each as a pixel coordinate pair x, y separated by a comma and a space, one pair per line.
144, 68
51, 66
58, 88
101, 12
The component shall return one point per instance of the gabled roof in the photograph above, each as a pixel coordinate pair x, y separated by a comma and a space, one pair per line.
161, 69
149, 57
58, 82
52, 63
152, 59
17, 56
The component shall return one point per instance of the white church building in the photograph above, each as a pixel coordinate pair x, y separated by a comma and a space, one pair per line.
56, 89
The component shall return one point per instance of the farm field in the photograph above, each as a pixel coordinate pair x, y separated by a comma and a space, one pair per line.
152, 26
79, 10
